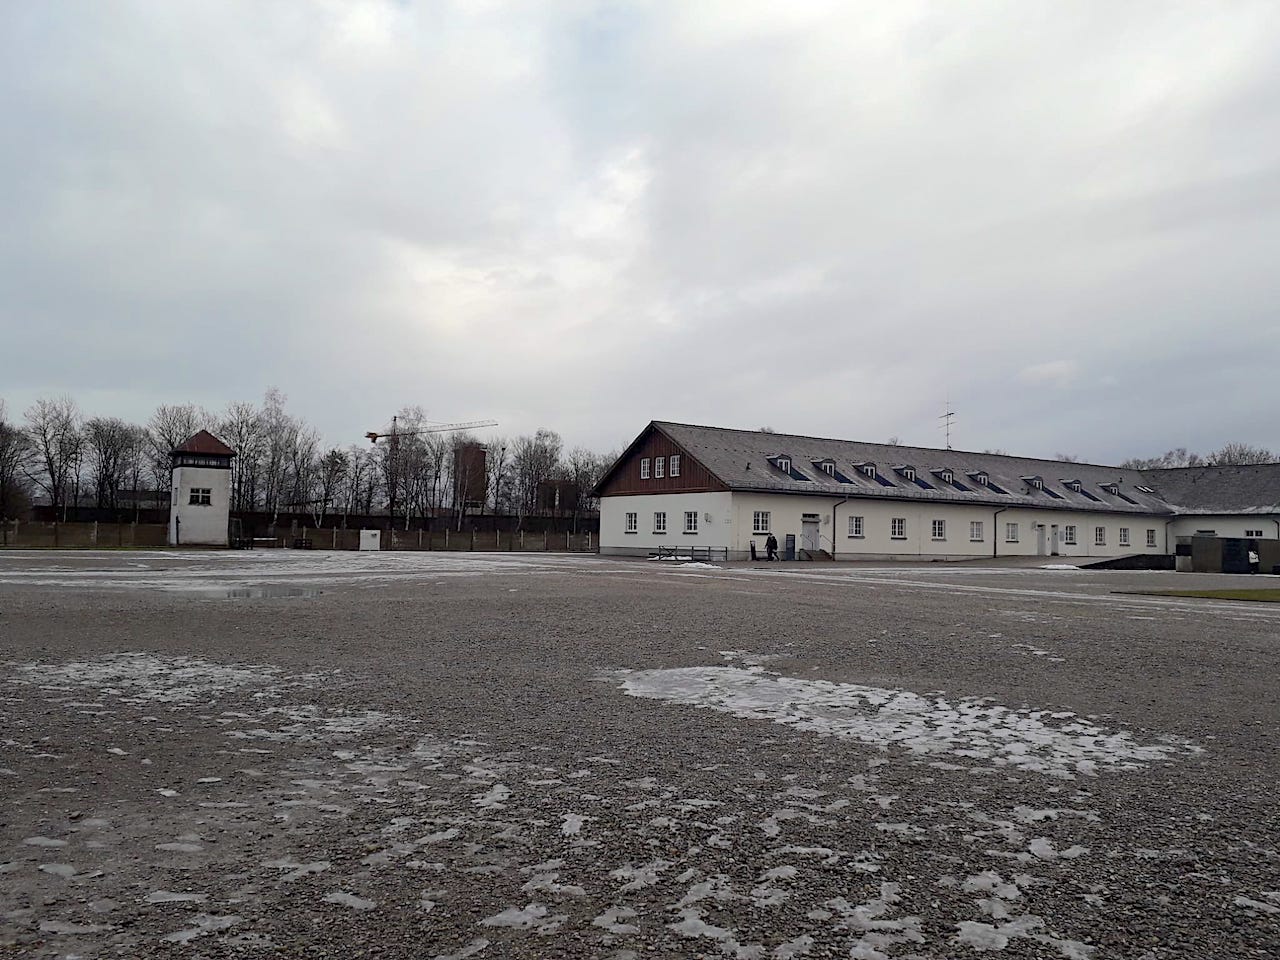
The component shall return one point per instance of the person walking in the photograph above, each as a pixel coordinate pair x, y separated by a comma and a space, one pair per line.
771, 548
1253, 558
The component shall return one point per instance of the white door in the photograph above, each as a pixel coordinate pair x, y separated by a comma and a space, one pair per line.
1040, 540
1053, 540
809, 535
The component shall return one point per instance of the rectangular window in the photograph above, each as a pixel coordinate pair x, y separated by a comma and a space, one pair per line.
939, 529
691, 521
675, 465
644, 468
1100, 536
1010, 533
1255, 534
760, 521
659, 467
1069, 534
202, 496
898, 528
633, 522
855, 526
975, 531
659, 523
1124, 536
1151, 537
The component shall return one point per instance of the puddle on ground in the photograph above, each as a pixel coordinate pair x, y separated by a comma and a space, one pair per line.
244, 593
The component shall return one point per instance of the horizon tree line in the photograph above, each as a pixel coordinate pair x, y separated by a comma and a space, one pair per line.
282, 465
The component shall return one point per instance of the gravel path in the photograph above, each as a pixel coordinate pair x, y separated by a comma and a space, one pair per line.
430, 755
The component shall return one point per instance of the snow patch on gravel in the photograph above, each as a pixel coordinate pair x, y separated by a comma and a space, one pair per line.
970, 727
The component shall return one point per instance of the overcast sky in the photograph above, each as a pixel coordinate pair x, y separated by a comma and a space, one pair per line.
830, 219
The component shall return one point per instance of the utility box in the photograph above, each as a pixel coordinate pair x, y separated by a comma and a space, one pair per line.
370, 539
789, 549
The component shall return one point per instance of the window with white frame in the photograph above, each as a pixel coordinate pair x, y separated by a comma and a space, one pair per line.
982, 479
633, 523
855, 527
1151, 537
784, 464
659, 467
691, 521
898, 528
1010, 533
869, 469
975, 531
828, 468
675, 465
644, 468
939, 529
947, 476
1069, 534
1124, 536
1100, 536
202, 496
909, 473
660, 522
1256, 534
760, 521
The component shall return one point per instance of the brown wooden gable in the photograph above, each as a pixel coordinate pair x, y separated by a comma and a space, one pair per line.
624, 479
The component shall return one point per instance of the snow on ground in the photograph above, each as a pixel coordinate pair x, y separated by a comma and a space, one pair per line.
969, 728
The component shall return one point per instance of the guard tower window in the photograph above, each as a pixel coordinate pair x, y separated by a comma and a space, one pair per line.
201, 496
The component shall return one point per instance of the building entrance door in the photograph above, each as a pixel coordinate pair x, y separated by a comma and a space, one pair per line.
1040, 540
1053, 540
809, 533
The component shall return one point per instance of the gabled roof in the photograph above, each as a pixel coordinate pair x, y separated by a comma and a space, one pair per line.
1248, 489
735, 457
205, 443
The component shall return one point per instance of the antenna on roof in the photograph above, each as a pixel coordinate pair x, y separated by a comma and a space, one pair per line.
947, 419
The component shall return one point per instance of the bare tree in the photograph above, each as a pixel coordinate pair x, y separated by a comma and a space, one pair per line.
14, 449
53, 429
241, 428
1240, 454
533, 460
330, 473
111, 445
497, 466
1178, 457
584, 469
1068, 457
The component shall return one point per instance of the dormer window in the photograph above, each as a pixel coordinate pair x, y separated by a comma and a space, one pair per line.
1110, 488
828, 467
869, 469
1035, 483
981, 478
1075, 486
947, 476
906, 472
784, 464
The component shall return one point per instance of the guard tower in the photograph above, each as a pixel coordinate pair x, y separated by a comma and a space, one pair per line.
200, 507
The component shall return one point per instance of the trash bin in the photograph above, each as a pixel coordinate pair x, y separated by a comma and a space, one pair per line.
789, 551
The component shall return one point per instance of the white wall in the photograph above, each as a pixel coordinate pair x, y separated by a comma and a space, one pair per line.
1223, 526
786, 517
716, 532
201, 525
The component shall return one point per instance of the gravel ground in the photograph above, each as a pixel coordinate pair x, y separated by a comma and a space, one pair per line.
433, 755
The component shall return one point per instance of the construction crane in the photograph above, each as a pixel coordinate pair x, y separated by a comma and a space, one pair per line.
393, 438
395, 432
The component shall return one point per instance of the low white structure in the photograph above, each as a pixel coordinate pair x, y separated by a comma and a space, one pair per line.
681, 485
370, 539
200, 502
